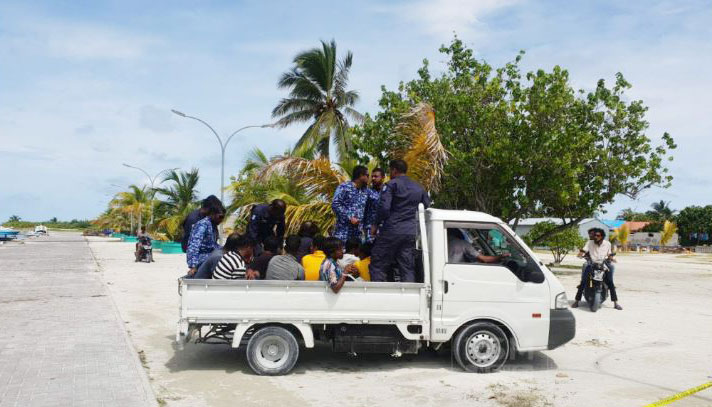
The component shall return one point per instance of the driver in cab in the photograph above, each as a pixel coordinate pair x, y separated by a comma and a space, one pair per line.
462, 251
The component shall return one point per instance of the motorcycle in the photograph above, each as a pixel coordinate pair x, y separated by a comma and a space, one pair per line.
596, 290
144, 250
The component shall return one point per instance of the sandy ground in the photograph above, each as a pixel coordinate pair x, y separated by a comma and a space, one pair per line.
658, 345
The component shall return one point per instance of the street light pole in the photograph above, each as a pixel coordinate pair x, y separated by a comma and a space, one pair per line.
152, 180
223, 146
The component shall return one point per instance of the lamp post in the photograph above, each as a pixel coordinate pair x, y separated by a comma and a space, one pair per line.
223, 146
152, 180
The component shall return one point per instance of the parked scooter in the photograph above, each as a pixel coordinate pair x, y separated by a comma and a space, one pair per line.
144, 250
596, 290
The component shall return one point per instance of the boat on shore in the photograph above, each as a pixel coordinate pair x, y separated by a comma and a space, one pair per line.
8, 234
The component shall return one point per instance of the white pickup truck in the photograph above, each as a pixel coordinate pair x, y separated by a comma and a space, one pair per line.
484, 311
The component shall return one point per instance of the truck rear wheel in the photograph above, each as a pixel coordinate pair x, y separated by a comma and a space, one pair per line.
272, 351
481, 347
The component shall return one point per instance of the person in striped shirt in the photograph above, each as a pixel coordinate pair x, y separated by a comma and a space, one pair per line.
233, 263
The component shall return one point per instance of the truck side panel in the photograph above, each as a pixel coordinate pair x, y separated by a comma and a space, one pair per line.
220, 301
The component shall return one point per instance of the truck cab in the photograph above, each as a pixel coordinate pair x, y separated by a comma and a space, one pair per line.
485, 310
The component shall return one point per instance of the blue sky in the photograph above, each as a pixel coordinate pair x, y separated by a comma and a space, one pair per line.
88, 85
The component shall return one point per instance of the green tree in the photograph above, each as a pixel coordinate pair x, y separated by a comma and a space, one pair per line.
693, 222
529, 144
180, 198
661, 211
560, 242
318, 93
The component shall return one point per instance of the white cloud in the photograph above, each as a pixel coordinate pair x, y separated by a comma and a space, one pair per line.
441, 18
74, 40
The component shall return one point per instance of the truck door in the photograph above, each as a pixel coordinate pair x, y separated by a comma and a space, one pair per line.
488, 275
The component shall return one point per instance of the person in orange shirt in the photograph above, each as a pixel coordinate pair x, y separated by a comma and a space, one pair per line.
312, 262
364, 253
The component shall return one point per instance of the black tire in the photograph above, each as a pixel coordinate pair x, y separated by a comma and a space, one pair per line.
272, 351
596, 304
481, 347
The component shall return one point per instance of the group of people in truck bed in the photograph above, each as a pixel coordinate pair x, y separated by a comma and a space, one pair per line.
376, 222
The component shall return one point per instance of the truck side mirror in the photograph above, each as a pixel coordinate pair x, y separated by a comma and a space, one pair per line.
534, 276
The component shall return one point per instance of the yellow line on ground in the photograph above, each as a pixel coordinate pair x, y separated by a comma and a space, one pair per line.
680, 395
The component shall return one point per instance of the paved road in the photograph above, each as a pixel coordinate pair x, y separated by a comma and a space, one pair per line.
62, 342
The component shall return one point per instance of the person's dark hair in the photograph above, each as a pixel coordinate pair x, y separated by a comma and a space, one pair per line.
216, 207
592, 230
352, 244
365, 250
331, 245
279, 206
308, 229
358, 172
210, 201
236, 241
293, 243
272, 244
399, 165
378, 169
318, 242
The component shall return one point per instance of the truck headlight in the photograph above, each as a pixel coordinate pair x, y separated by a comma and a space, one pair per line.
561, 301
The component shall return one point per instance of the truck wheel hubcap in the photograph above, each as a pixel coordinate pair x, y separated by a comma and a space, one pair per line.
272, 351
483, 349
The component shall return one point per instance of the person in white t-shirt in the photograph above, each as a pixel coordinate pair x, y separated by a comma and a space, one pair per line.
599, 250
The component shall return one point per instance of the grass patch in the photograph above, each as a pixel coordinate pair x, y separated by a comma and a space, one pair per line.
517, 397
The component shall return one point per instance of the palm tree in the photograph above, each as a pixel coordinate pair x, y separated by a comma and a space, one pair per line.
181, 196
314, 180
318, 93
669, 230
661, 210
623, 234
132, 202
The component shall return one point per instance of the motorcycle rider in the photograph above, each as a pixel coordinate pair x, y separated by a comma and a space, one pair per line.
141, 238
599, 251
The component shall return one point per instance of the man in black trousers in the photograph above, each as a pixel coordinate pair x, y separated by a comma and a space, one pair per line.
397, 213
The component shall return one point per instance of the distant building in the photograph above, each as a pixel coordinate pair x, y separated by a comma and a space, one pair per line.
613, 224
526, 225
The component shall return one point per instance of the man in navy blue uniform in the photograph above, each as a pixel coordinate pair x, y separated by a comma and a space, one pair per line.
266, 220
397, 215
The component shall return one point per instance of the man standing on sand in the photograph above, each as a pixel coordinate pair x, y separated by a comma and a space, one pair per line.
349, 205
397, 215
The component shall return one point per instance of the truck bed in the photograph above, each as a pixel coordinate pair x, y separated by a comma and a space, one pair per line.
311, 302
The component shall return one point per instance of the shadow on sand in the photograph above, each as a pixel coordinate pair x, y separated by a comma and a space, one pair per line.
322, 359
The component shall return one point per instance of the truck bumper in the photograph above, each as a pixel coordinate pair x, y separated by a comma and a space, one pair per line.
562, 327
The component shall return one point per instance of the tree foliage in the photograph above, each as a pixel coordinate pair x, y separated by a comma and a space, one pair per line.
524, 144
669, 230
560, 242
318, 94
694, 225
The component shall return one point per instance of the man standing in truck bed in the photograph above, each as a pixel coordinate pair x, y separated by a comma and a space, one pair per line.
397, 211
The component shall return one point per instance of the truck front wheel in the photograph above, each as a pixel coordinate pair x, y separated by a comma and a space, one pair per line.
272, 351
481, 347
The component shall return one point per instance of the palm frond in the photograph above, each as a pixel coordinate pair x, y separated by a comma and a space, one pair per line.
426, 155
318, 177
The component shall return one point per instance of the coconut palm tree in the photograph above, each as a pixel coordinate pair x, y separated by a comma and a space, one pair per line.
669, 230
623, 234
133, 202
180, 198
316, 179
318, 94
661, 211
